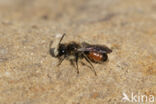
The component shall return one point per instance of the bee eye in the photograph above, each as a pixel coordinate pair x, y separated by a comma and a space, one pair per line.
62, 51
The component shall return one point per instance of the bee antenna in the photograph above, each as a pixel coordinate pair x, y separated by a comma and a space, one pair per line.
62, 38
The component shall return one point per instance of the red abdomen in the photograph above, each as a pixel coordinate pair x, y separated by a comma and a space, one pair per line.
95, 57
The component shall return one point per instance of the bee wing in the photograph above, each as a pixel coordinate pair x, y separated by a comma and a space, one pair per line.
106, 49
83, 49
95, 49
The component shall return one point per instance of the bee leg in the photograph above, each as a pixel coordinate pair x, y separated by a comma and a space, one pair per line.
88, 60
60, 61
72, 63
76, 60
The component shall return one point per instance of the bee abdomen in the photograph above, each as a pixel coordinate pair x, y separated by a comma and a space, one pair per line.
97, 57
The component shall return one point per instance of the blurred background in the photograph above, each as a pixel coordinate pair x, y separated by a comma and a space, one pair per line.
29, 75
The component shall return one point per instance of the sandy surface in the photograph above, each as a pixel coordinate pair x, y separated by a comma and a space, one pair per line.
29, 75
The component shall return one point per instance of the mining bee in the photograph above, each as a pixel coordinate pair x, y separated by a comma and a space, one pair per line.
74, 51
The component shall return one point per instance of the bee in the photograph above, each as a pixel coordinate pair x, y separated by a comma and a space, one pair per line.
74, 51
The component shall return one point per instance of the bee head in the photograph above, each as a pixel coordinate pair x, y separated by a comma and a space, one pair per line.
58, 48
61, 50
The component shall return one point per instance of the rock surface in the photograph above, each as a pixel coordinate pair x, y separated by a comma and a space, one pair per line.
29, 75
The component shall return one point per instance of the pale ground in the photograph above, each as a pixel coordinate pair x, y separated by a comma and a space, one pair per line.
28, 74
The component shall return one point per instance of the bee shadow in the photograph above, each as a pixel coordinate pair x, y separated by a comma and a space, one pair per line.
51, 51
72, 62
